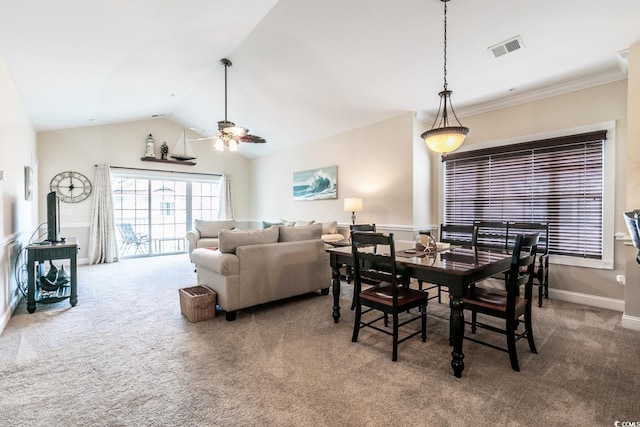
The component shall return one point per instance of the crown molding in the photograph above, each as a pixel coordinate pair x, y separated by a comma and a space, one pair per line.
606, 77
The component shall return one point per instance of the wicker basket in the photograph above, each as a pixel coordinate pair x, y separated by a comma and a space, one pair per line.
198, 303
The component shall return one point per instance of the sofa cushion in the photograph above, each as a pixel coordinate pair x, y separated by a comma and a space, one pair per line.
287, 222
329, 227
304, 232
207, 242
300, 223
212, 228
229, 240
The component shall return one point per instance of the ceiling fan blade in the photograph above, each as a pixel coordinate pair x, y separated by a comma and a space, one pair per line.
199, 130
203, 138
254, 139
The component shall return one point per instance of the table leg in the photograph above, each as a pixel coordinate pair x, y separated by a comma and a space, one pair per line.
457, 335
73, 297
31, 286
335, 281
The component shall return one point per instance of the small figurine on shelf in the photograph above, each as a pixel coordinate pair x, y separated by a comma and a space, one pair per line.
164, 150
151, 152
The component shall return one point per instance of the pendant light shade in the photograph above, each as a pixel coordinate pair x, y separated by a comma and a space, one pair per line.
443, 138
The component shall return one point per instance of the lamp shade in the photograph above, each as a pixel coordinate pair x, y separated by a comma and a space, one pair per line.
352, 204
446, 139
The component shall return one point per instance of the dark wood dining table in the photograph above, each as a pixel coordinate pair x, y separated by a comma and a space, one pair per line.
457, 268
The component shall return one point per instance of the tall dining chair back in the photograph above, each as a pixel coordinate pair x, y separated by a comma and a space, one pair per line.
391, 296
541, 271
510, 305
458, 234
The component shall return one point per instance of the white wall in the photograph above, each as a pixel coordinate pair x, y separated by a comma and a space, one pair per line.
123, 144
18, 216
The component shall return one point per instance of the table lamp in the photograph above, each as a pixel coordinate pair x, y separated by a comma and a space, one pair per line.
353, 205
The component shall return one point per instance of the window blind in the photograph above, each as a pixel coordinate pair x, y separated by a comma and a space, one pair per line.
559, 181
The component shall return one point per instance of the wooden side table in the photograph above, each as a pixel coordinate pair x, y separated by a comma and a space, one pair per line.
39, 253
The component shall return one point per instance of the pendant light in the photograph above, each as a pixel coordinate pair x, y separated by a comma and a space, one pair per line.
445, 138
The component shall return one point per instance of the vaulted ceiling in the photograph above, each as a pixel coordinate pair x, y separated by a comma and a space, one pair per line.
302, 69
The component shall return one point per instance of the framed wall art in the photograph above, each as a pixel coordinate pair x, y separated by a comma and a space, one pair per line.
316, 184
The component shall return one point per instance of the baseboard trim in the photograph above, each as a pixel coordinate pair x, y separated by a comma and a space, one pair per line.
592, 300
11, 307
630, 322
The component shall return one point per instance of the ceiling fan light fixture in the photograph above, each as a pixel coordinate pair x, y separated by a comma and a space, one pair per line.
444, 138
236, 130
219, 144
229, 135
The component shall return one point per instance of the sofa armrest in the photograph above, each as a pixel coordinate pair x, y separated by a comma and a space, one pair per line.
192, 240
216, 261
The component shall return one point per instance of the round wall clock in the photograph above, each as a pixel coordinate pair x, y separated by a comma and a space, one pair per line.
71, 187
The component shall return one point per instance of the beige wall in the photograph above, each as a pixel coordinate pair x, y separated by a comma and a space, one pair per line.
632, 200
573, 110
122, 145
18, 217
388, 166
374, 162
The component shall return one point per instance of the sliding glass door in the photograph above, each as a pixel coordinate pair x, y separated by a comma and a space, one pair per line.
153, 214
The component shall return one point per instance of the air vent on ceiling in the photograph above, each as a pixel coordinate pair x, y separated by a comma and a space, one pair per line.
511, 45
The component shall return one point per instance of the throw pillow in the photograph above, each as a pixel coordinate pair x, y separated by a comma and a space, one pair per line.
329, 227
287, 223
267, 224
305, 232
212, 228
302, 223
229, 240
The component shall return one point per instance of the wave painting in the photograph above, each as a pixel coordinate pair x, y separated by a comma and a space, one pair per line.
316, 184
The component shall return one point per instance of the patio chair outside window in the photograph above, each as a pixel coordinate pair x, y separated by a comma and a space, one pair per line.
132, 239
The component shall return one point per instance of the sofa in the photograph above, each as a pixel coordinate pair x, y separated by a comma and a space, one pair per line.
205, 233
252, 267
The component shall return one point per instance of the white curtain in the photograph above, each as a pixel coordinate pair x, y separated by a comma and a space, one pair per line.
103, 247
226, 203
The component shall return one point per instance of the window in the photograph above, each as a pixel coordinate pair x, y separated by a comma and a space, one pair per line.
558, 180
160, 208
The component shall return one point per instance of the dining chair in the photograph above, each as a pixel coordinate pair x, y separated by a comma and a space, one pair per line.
362, 227
492, 234
391, 296
456, 235
541, 271
348, 269
510, 305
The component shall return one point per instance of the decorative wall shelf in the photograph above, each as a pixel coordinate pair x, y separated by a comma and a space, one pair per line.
176, 162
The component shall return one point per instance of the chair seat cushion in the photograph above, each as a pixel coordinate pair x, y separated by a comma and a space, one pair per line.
495, 299
383, 294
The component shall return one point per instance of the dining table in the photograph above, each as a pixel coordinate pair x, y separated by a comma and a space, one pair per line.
456, 268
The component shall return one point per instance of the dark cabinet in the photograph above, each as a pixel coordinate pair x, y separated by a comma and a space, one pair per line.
42, 289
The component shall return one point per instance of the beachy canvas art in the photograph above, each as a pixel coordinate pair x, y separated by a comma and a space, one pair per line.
316, 184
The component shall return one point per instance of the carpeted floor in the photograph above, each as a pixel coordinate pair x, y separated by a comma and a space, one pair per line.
125, 356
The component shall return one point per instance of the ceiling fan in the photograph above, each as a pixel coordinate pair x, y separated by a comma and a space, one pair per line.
229, 135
